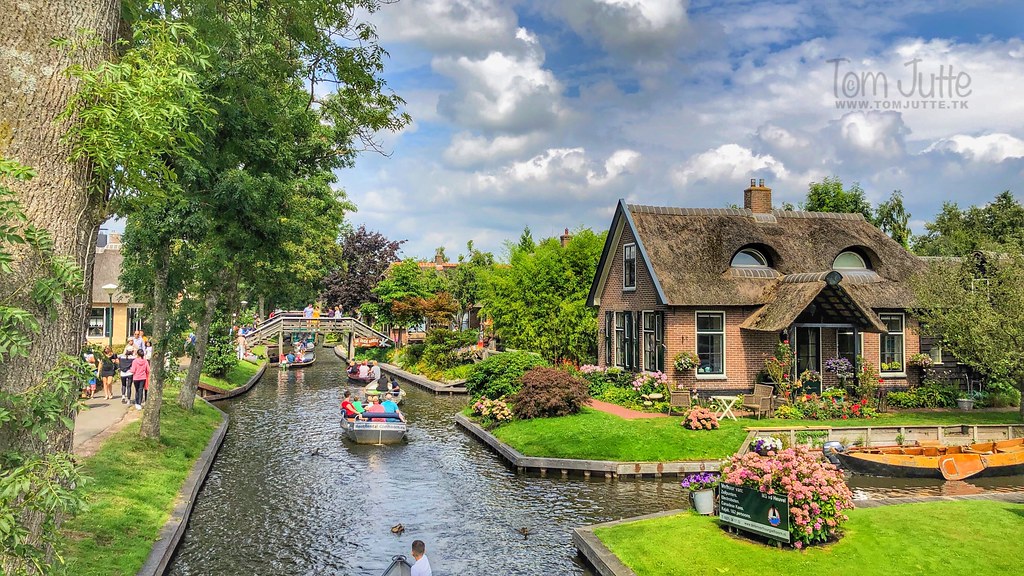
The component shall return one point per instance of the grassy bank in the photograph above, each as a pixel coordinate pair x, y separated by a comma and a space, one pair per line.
134, 486
237, 376
594, 435
929, 538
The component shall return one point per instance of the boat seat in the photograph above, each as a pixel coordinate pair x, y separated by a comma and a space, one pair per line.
981, 452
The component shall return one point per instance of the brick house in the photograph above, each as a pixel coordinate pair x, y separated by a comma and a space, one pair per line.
729, 283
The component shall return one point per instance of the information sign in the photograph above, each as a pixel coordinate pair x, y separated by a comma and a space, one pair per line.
754, 511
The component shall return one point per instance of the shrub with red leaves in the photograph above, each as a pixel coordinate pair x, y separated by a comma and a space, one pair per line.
549, 392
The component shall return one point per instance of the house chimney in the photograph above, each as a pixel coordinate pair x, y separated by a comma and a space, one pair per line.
758, 198
439, 257
565, 238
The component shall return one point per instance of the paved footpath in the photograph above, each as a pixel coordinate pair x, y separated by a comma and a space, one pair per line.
101, 419
622, 412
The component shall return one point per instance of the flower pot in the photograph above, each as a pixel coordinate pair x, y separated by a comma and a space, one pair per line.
965, 403
704, 501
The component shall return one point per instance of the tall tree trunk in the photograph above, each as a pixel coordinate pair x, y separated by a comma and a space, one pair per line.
33, 90
155, 398
187, 395
262, 308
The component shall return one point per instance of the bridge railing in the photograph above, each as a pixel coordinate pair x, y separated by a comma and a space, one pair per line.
290, 322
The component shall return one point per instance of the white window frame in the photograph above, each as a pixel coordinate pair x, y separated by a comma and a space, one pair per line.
725, 345
102, 327
626, 288
860, 344
903, 345
936, 345
821, 350
760, 256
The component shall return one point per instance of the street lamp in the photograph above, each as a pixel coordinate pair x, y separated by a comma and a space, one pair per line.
110, 289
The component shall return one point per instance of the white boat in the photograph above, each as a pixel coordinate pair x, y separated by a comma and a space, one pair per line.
389, 429
399, 567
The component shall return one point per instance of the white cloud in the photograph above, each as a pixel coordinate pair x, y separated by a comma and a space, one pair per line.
634, 28
467, 150
502, 91
873, 133
729, 163
460, 26
991, 148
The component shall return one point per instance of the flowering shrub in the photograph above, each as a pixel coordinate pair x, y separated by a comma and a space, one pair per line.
841, 367
648, 382
817, 493
700, 481
700, 419
764, 446
492, 411
778, 366
920, 360
868, 379
590, 368
810, 376
831, 407
686, 360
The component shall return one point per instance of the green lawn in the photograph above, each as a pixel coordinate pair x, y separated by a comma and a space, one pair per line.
967, 537
594, 435
235, 377
133, 488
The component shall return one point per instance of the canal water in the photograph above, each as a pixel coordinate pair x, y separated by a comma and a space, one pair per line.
288, 495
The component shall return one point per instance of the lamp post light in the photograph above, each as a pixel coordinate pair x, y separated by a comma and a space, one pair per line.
110, 289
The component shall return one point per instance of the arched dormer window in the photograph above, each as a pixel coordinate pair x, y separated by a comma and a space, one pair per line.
749, 258
849, 260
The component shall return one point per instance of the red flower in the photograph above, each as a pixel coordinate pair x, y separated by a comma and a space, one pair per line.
785, 341
845, 417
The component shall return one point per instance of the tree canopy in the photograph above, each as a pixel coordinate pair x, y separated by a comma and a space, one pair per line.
998, 225
365, 259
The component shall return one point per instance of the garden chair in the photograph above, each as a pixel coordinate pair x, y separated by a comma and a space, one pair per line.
678, 399
760, 402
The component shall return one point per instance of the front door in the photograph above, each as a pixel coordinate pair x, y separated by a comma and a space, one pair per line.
808, 349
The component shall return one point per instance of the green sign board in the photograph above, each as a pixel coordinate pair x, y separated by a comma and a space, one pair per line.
754, 511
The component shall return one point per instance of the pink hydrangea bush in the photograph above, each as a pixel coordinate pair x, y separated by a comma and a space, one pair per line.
699, 418
492, 412
818, 495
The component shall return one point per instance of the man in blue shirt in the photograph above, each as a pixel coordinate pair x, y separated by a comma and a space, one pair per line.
390, 406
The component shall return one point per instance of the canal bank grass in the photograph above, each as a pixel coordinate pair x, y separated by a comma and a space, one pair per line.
964, 537
236, 376
133, 488
595, 435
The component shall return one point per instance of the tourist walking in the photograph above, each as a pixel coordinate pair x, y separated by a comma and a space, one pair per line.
422, 565
90, 358
140, 377
108, 367
138, 340
240, 343
125, 365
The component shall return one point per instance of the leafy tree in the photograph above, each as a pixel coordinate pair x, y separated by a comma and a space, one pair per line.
466, 281
976, 306
526, 243
997, 225
36, 485
894, 219
830, 196
538, 303
365, 258
400, 294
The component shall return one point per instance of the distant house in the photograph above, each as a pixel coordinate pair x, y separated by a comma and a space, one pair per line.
111, 318
730, 283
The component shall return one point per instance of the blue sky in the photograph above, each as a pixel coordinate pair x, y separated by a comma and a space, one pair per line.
545, 113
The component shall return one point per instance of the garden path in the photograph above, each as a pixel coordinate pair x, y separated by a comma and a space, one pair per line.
622, 412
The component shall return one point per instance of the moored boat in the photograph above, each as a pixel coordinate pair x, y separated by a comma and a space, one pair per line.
382, 428
1001, 458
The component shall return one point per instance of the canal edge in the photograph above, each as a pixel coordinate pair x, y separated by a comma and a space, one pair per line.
170, 535
415, 379
609, 469
241, 389
597, 555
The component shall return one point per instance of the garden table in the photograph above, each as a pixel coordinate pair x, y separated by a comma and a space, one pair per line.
725, 404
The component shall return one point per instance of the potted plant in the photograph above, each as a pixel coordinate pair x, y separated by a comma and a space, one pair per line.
763, 445
920, 360
965, 403
810, 381
841, 367
702, 491
686, 361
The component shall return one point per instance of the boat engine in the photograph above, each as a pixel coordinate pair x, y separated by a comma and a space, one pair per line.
830, 449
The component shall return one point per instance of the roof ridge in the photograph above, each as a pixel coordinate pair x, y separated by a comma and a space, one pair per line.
680, 211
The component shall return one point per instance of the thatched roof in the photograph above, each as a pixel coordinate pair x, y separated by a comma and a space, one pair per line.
106, 269
690, 251
799, 294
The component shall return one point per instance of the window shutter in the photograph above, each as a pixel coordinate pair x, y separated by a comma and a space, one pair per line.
609, 331
638, 336
627, 335
659, 340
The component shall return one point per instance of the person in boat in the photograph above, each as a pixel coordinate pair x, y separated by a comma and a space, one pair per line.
395, 390
390, 406
373, 406
419, 554
364, 370
348, 406
353, 370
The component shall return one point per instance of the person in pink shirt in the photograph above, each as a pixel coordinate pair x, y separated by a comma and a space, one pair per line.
140, 375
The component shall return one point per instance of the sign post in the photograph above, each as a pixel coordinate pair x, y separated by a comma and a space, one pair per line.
754, 511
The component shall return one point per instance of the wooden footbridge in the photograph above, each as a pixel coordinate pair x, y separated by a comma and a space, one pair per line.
288, 323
